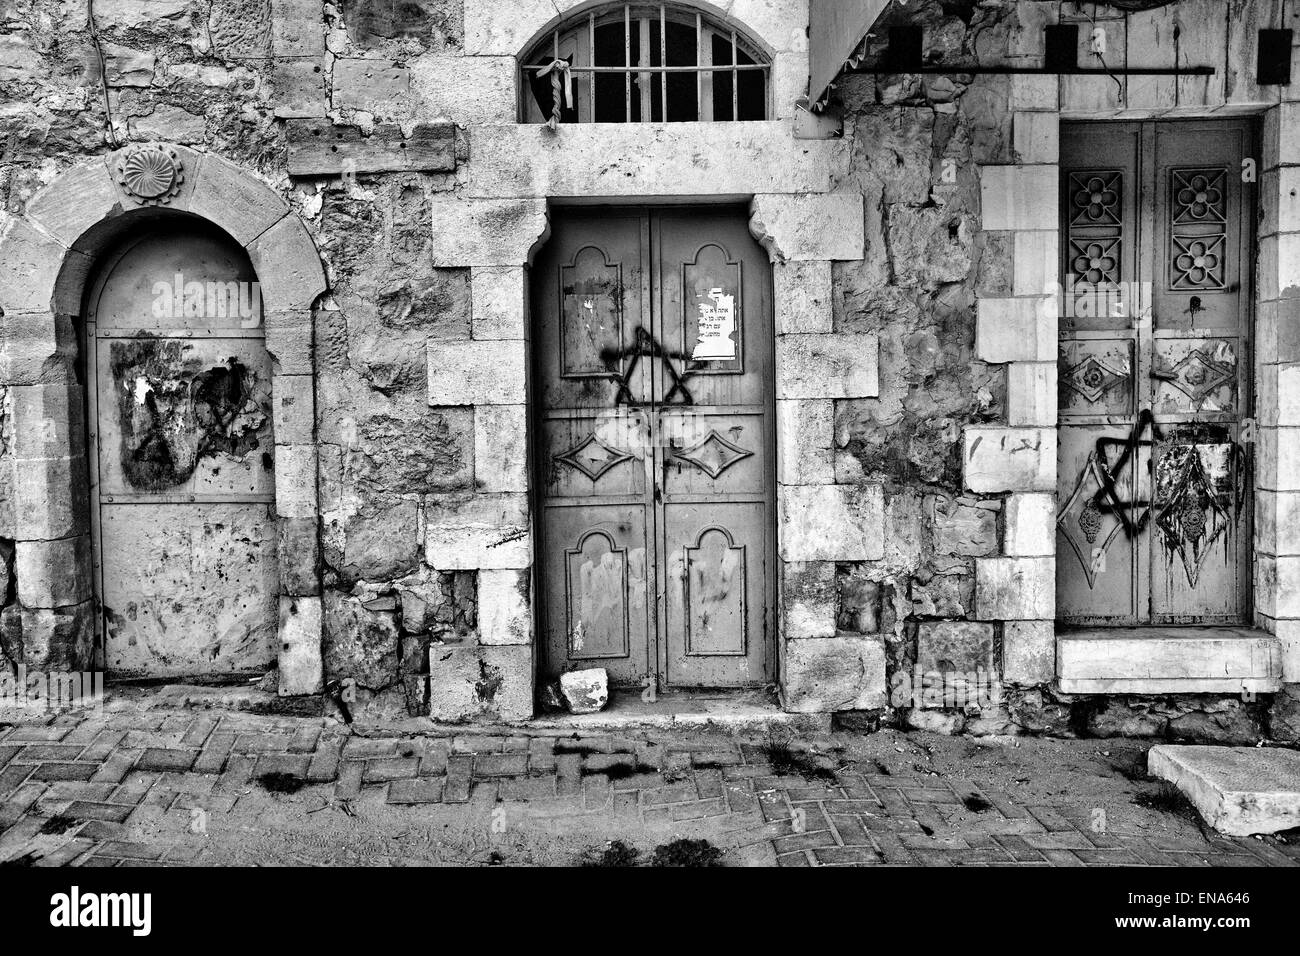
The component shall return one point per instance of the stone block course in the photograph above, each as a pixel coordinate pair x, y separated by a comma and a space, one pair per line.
827, 365
1010, 459
1015, 589
836, 673
831, 522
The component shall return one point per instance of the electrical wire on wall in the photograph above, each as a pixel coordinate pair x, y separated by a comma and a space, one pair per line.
103, 73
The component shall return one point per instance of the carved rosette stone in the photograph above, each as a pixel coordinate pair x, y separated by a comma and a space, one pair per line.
150, 173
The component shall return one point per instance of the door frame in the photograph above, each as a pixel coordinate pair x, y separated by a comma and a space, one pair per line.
88, 369
771, 583
1147, 132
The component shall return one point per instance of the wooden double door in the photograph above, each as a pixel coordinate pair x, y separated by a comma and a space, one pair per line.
652, 388
1153, 523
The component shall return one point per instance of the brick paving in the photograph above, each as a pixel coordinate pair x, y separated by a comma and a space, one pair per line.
75, 788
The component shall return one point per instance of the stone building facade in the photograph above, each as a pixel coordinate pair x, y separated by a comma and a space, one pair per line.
383, 172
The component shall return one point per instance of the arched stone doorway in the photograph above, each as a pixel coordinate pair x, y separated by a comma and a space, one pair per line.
48, 256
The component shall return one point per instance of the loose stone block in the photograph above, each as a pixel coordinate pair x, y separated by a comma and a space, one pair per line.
53, 574
1030, 525
808, 599
832, 523
485, 531
585, 691
831, 365
1019, 197
1238, 790
301, 670
498, 295
829, 226
802, 294
833, 674
500, 448
805, 434
1016, 330
468, 681
485, 232
1010, 459
1028, 652
476, 373
1015, 589
504, 615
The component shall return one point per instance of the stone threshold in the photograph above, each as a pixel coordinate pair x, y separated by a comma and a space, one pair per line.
734, 710
731, 711
1168, 660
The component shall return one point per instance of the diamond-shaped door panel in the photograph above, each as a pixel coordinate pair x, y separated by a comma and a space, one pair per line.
1095, 377
712, 454
1192, 376
593, 457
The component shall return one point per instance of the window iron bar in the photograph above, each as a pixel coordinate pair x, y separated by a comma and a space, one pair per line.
704, 68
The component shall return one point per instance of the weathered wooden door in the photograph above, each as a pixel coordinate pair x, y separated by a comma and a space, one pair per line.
182, 457
652, 352
1154, 378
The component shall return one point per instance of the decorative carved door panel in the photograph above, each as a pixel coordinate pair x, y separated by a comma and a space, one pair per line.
1153, 522
182, 476
652, 380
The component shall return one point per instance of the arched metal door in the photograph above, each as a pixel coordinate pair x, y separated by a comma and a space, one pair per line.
181, 457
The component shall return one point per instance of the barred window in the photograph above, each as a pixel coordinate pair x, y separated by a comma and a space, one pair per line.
644, 63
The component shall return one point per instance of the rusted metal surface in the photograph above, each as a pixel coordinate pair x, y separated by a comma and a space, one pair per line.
183, 459
653, 364
1154, 519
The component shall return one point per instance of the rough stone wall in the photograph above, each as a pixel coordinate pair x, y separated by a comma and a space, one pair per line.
917, 144
959, 181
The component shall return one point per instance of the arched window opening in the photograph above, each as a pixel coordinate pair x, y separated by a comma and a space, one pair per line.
644, 63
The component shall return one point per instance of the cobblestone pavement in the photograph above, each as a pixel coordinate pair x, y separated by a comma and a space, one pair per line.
135, 784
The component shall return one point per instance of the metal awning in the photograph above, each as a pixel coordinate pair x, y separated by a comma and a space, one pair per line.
836, 29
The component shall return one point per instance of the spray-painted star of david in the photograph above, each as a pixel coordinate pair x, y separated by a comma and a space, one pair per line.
645, 344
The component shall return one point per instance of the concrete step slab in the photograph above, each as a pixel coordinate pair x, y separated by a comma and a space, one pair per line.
1238, 790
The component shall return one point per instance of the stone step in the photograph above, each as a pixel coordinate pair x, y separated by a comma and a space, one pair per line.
1168, 660
1238, 790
